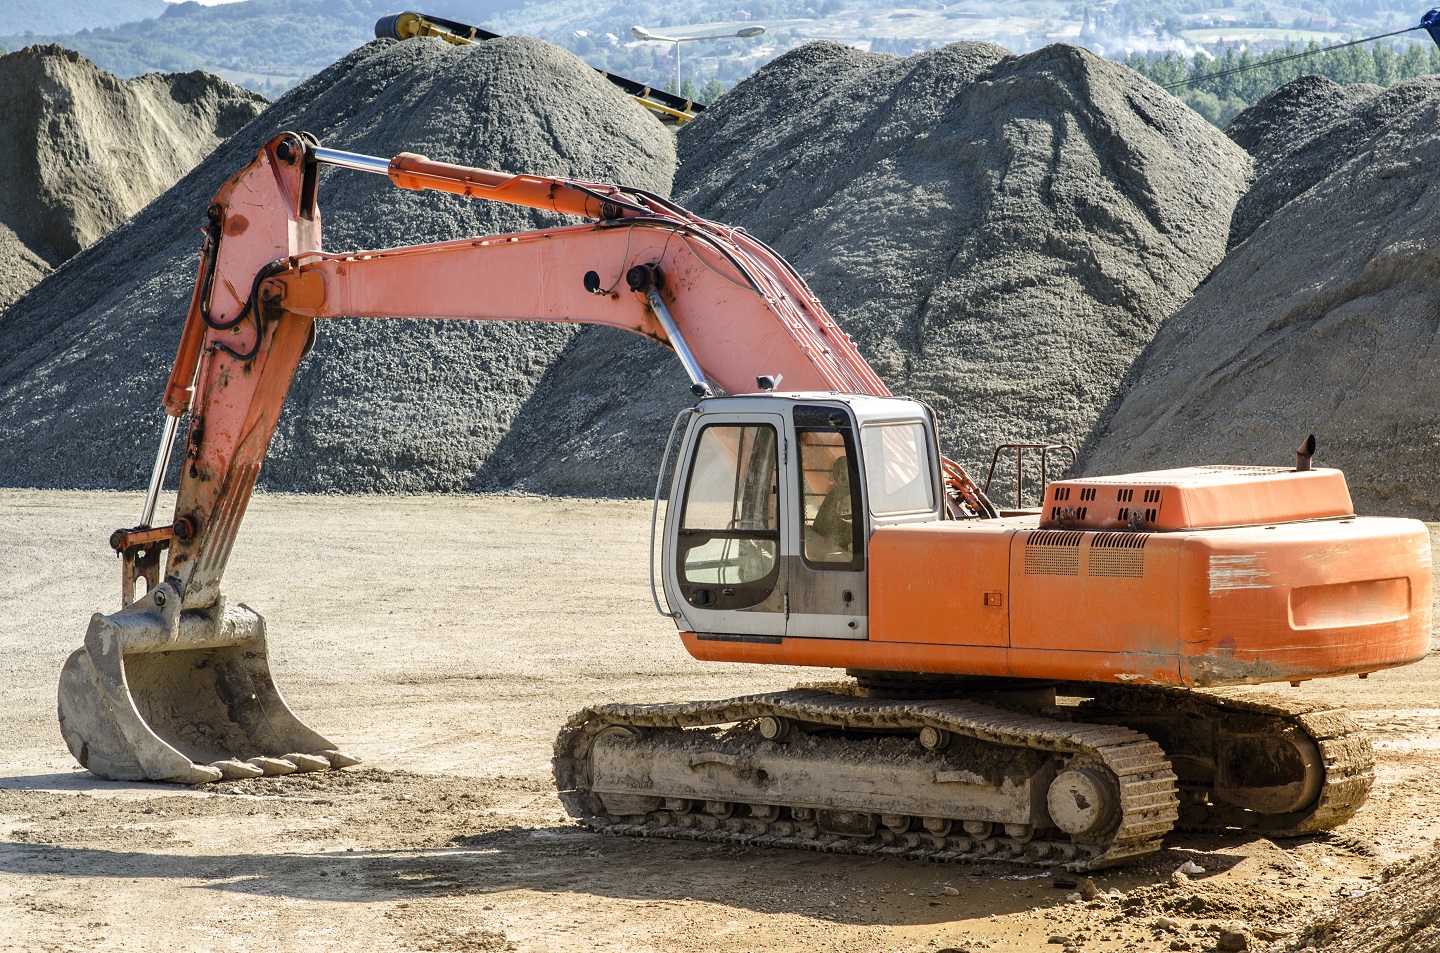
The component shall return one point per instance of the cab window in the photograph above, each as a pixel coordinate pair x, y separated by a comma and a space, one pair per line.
729, 536
832, 523
897, 468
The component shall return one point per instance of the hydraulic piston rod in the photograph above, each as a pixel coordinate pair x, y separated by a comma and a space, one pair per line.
352, 160
569, 197
157, 474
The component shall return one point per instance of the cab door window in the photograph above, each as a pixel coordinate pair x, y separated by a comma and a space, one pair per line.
729, 536
832, 524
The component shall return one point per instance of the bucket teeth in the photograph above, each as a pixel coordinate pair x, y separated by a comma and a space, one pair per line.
233, 770
339, 759
197, 774
273, 766
308, 762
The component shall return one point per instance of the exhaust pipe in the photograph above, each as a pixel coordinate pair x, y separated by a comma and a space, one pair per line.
1304, 454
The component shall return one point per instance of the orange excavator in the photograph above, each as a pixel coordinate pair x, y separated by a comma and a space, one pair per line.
1023, 686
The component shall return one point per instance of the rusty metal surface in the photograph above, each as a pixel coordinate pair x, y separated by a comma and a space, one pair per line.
139, 550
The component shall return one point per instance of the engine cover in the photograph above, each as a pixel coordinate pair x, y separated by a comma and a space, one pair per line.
1209, 497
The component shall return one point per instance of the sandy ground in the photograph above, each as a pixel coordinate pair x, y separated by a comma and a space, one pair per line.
445, 640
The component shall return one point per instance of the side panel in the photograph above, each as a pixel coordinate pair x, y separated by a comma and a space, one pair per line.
1267, 604
1097, 593
941, 583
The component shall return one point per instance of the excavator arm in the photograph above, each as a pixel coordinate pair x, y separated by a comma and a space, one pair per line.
730, 308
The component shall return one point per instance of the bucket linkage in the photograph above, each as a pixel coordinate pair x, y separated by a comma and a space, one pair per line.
162, 692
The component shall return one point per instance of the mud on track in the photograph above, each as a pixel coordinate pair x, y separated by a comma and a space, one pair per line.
445, 640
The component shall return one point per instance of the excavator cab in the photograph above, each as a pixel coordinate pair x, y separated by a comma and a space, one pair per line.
771, 512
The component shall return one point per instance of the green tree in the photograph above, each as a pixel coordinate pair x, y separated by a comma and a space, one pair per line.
1217, 110
690, 91
1387, 65
1218, 94
711, 91
1415, 61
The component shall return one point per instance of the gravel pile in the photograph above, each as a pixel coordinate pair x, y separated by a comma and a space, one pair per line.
378, 406
1322, 320
1401, 916
1297, 136
81, 151
1000, 234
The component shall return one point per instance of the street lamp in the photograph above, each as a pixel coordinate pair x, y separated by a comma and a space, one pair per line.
640, 33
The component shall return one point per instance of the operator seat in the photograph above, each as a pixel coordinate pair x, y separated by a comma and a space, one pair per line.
835, 519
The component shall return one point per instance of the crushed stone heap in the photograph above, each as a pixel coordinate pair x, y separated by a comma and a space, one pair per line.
1401, 916
1000, 235
379, 406
1295, 135
81, 151
1322, 320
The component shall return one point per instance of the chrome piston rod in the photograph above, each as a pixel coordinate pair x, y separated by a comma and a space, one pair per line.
352, 160
157, 475
698, 384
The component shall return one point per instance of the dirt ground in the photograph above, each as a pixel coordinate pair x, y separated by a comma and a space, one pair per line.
444, 640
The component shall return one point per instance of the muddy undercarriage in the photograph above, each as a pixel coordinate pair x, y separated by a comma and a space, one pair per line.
885, 766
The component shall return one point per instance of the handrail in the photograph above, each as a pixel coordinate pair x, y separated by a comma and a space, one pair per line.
1020, 449
666, 611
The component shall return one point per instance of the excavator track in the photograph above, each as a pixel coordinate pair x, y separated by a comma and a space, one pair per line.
1336, 759
644, 770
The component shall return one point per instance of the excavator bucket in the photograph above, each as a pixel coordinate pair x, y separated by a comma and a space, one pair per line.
164, 694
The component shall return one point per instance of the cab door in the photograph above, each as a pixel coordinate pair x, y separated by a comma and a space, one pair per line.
827, 584
724, 569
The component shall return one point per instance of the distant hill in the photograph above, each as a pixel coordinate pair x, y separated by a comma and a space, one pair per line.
265, 45
270, 45
72, 16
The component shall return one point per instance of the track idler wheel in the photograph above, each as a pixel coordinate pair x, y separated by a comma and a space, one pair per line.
1269, 774
1083, 802
158, 693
